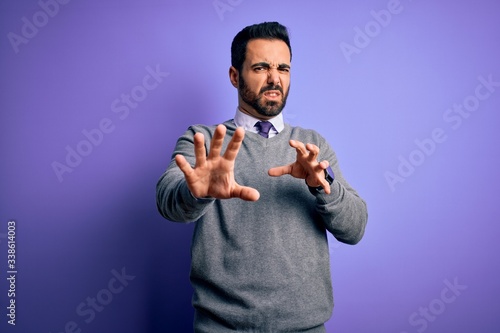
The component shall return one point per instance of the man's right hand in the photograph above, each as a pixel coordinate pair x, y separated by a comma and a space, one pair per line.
213, 175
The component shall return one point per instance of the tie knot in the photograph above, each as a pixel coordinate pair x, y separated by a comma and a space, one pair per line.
264, 127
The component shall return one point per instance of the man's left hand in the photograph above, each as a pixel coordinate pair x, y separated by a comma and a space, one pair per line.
305, 167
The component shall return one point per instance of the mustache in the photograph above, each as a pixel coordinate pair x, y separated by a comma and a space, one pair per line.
263, 90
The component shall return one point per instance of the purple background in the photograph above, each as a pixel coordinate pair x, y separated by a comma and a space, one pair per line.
437, 228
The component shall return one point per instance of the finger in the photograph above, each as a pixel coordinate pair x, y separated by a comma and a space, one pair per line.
245, 193
299, 147
319, 181
324, 183
313, 152
326, 188
217, 140
280, 171
234, 145
183, 164
324, 164
200, 152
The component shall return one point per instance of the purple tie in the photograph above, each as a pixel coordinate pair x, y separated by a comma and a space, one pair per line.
264, 127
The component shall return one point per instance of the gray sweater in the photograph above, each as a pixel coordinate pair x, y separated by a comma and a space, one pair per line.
262, 266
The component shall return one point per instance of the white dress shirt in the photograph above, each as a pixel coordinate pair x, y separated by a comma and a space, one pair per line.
248, 123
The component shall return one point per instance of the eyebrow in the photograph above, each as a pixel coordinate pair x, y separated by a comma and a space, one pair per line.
265, 64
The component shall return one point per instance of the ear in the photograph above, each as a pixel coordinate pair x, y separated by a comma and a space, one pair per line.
234, 76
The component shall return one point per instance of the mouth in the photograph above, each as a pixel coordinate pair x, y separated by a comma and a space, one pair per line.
272, 94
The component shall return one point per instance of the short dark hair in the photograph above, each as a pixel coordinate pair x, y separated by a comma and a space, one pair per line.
265, 30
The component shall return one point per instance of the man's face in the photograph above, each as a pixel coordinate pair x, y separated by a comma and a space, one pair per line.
264, 81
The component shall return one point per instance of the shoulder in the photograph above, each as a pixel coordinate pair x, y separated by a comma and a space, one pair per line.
208, 130
306, 135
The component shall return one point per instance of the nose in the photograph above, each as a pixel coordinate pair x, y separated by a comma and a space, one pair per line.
273, 76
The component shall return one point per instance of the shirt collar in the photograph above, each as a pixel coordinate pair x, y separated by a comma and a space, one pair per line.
248, 122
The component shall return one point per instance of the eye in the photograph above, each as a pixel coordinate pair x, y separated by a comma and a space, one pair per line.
259, 69
284, 70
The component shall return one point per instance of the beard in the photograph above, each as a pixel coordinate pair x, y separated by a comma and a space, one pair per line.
257, 102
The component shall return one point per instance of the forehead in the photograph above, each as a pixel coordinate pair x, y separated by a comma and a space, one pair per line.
269, 50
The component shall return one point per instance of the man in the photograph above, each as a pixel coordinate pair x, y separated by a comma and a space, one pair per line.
263, 194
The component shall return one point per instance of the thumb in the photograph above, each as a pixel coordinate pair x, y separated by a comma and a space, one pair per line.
280, 171
245, 193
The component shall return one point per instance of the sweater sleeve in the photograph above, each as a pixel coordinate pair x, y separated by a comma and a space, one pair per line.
343, 211
174, 200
